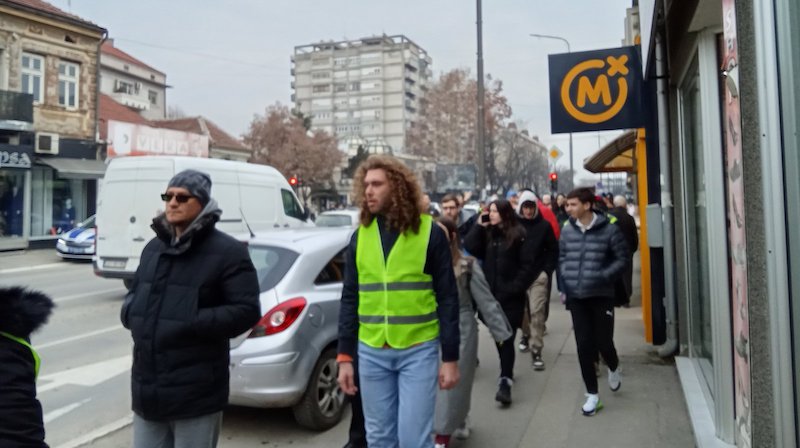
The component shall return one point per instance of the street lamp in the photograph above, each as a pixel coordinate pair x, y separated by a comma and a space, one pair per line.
569, 50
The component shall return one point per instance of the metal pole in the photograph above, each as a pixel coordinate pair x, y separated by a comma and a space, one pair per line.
481, 115
571, 158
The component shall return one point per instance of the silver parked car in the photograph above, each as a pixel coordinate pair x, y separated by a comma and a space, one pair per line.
289, 358
338, 218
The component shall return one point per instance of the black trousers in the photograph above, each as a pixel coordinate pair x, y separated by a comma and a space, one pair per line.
593, 323
506, 349
358, 432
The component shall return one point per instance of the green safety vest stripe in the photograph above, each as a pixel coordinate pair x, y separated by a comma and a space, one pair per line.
37, 362
395, 286
399, 320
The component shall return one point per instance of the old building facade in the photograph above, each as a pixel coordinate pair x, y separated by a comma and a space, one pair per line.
48, 66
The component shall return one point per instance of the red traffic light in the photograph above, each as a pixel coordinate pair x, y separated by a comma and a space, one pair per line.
553, 176
293, 181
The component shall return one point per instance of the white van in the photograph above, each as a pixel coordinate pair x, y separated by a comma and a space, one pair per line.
129, 199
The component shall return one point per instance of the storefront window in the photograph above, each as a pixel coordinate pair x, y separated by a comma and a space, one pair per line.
12, 202
57, 204
697, 227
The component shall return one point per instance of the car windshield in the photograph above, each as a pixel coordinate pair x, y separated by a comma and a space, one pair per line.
271, 263
88, 223
334, 221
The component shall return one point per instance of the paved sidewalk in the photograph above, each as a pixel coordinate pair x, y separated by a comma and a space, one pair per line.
648, 411
15, 259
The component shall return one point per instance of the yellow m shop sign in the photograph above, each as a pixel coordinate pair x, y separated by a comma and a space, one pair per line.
596, 90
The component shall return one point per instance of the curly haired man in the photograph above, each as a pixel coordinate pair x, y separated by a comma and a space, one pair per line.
399, 305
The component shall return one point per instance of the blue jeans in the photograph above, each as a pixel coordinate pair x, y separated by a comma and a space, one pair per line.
398, 393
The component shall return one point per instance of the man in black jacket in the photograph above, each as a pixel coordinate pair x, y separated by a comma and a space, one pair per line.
544, 247
21, 313
592, 256
627, 225
194, 290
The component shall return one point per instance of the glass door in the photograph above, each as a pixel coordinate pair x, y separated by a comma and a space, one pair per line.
701, 343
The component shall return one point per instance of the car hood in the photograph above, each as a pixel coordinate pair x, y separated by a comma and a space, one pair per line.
80, 235
268, 300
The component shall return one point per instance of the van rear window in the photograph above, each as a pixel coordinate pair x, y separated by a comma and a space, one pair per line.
272, 264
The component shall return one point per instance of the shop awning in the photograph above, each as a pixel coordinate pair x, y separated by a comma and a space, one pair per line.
75, 168
615, 157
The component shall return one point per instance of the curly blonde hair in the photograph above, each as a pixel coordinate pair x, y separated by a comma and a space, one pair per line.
404, 207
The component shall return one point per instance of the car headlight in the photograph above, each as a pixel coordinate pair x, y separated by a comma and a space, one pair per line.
61, 242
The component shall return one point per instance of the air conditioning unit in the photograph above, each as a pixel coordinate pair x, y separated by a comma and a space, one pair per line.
47, 143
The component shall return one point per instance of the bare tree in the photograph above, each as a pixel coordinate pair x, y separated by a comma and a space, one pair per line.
281, 139
446, 129
174, 112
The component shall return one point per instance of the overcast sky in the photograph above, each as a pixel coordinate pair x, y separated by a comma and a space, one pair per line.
228, 60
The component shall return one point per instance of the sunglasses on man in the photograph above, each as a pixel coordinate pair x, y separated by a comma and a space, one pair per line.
181, 198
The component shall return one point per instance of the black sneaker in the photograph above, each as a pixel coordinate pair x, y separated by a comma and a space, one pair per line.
537, 362
523, 345
504, 392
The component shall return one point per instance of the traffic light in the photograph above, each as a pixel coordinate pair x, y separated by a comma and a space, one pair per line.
293, 181
554, 181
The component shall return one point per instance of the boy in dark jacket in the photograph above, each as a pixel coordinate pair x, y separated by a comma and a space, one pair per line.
21, 313
592, 256
544, 247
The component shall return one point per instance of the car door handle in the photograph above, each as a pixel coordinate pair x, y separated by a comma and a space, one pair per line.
138, 239
286, 225
276, 225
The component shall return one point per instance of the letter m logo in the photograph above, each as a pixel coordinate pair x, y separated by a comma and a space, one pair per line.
593, 92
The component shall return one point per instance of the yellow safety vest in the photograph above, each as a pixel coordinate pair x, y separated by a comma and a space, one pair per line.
36, 360
396, 302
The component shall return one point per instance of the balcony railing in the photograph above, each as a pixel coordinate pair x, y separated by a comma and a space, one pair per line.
15, 106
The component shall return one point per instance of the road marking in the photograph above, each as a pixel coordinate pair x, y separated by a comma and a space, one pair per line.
87, 294
89, 375
97, 433
54, 414
78, 337
31, 268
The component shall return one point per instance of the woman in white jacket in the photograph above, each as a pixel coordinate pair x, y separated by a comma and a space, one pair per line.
452, 406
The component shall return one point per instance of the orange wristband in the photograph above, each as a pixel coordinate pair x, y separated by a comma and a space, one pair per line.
343, 357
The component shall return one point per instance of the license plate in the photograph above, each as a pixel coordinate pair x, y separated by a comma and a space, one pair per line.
114, 264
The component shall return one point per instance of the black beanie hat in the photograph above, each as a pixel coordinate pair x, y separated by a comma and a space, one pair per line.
198, 184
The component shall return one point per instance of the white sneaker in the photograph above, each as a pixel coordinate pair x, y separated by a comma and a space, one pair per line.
592, 405
440, 445
463, 432
614, 381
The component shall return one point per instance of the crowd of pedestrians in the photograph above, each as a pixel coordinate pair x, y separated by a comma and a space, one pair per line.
413, 293
504, 261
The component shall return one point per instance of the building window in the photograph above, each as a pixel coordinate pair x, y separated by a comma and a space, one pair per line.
340, 87
322, 88
68, 81
355, 86
152, 95
321, 75
33, 75
121, 86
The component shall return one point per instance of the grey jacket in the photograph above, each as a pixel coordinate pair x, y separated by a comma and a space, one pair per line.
589, 263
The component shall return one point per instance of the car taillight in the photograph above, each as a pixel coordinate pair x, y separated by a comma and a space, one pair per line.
279, 318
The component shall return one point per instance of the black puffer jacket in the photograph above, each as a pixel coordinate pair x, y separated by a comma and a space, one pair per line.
21, 313
541, 238
188, 298
589, 263
508, 269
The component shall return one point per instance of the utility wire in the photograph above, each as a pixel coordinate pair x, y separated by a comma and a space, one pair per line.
202, 55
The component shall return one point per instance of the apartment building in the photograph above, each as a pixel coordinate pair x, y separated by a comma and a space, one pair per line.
366, 89
48, 121
132, 83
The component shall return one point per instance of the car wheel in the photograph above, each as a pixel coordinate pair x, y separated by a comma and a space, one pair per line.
323, 402
128, 282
